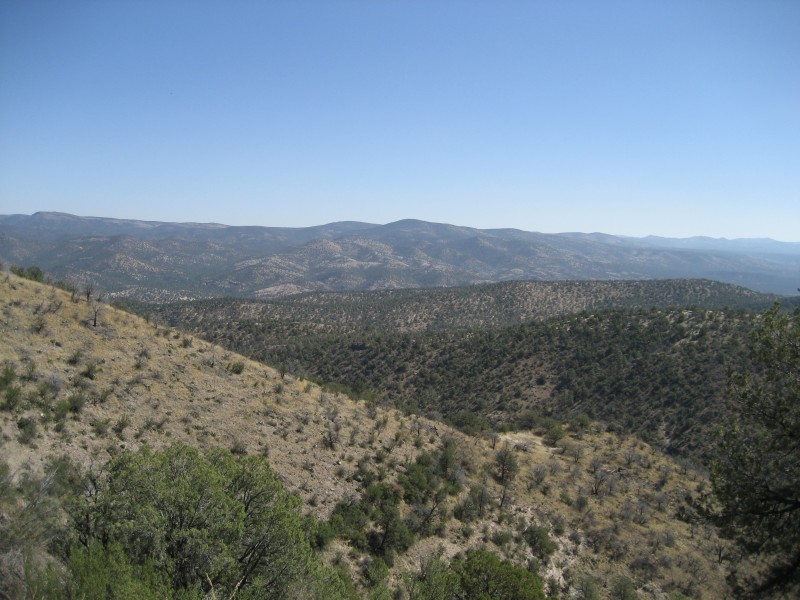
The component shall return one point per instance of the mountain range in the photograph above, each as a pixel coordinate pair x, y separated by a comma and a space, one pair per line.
160, 261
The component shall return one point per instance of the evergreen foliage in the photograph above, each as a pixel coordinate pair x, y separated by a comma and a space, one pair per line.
480, 575
483, 356
374, 523
484, 576
190, 523
658, 374
756, 468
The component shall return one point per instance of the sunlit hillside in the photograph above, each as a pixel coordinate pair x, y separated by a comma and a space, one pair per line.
593, 511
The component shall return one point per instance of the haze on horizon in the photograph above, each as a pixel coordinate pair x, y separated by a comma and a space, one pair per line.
627, 117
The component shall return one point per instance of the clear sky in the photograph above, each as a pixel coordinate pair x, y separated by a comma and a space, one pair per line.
637, 117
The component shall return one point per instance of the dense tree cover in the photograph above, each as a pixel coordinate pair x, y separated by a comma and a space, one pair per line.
480, 575
177, 523
658, 373
756, 468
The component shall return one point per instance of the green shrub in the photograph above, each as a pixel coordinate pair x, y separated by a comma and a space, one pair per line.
7, 376
435, 581
100, 427
90, 371
185, 519
474, 505
375, 572
539, 540
29, 373
104, 395
33, 273
12, 395
322, 534
623, 588
501, 538
47, 391
75, 357
61, 410
27, 430
236, 367
559, 525
99, 571
586, 588
122, 423
554, 434
484, 575
349, 521
76, 403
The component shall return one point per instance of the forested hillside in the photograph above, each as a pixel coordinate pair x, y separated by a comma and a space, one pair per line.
659, 373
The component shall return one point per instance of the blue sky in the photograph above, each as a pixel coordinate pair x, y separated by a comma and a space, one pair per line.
673, 118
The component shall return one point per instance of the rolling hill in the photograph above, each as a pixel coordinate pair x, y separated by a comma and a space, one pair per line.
646, 357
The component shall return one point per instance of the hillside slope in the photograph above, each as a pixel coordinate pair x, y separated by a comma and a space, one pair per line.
90, 389
642, 356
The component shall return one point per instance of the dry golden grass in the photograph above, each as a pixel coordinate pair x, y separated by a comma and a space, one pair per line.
611, 504
174, 390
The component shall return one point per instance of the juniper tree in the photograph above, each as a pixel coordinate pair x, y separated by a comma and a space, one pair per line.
756, 469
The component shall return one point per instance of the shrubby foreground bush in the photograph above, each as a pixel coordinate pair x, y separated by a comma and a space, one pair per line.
181, 524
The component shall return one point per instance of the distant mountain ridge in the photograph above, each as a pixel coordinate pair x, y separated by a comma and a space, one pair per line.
151, 260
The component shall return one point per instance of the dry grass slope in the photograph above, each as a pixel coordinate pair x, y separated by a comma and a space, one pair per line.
89, 389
